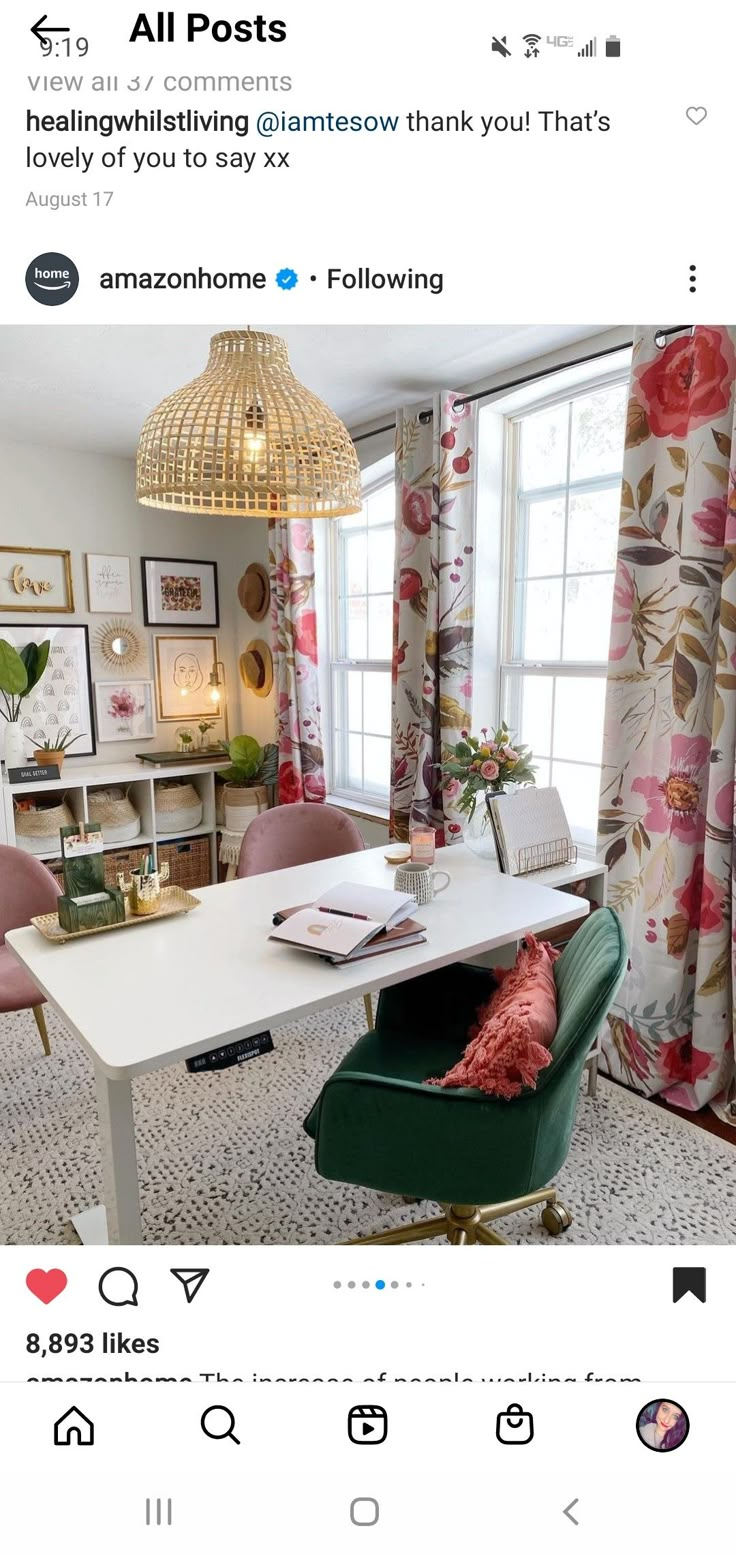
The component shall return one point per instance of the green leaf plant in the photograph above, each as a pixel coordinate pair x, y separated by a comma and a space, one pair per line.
20, 673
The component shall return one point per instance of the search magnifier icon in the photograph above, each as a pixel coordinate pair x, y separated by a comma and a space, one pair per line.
218, 1423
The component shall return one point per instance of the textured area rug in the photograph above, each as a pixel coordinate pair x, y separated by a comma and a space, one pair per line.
223, 1158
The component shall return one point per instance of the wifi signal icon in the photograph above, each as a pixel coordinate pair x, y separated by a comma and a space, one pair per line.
532, 41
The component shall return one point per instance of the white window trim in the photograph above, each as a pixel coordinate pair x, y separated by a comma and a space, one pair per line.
366, 801
508, 665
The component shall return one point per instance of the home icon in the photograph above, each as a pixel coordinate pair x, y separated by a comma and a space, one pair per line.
74, 1429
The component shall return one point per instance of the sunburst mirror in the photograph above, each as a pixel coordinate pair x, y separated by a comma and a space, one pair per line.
120, 645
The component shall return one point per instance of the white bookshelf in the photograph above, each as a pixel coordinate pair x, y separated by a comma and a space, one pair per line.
79, 778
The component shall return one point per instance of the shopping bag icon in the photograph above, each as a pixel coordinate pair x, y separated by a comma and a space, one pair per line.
515, 1427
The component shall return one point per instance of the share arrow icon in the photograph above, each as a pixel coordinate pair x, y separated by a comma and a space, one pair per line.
191, 1280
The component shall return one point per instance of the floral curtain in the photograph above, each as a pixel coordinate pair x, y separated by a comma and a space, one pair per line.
294, 633
433, 609
667, 808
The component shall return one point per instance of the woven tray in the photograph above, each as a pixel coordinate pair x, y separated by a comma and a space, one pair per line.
174, 901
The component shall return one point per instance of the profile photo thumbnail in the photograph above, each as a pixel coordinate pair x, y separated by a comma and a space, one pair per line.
662, 1425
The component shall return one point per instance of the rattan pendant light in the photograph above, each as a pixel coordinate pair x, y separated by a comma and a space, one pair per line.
246, 437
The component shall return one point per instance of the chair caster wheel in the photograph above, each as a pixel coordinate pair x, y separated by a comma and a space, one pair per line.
556, 1219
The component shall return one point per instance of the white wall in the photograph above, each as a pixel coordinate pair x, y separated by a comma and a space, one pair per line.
86, 502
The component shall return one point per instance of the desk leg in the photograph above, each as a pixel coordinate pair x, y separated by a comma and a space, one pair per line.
119, 1168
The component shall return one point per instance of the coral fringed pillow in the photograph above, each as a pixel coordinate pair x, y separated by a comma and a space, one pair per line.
513, 1030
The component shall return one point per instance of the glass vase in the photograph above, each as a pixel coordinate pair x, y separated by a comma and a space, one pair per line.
479, 835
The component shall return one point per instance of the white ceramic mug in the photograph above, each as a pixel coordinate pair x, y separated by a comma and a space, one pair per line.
420, 881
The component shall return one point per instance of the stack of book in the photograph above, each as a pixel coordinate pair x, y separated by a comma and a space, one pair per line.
350, 922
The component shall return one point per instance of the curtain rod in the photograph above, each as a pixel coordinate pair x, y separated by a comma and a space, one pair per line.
660, 336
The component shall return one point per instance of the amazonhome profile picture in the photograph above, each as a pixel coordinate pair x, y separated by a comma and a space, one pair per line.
52, 279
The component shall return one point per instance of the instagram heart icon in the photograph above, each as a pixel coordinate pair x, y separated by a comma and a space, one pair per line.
46, 1283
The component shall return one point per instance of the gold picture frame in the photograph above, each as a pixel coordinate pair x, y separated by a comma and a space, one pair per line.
184, 664
20, 585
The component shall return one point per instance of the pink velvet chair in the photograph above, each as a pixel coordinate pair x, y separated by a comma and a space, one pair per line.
296, 833
291, 834
27, 889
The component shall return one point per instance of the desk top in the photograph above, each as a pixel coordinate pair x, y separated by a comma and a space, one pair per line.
138, 1001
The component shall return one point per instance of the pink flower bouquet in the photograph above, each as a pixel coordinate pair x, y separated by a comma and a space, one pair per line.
484, 765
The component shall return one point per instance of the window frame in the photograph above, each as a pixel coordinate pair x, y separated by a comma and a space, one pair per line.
510, 667
371, 799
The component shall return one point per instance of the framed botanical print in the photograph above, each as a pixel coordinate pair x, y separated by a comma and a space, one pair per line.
36, 581
183, 669
124, 709
108, 584
179, 593
62, 699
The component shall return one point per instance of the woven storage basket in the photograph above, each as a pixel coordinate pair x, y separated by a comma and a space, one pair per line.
189, 862
118, 817
242, 805
121, 863
37, 830
178, 807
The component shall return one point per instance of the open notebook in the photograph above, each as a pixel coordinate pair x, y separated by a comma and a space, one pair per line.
531, 830
349, 922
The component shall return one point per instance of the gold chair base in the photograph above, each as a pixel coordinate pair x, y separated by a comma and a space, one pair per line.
40, 1020
467, 1224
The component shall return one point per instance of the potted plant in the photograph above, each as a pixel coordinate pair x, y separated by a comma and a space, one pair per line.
477, 766
20, 672
51, 752
252, 768
186, 741
204, 728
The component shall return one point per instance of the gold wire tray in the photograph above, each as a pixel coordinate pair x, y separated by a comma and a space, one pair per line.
174, 901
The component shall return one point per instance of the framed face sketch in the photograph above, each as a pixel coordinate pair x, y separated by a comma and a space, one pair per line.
183, 669
36, 581
62, 698
179, 593
108, 584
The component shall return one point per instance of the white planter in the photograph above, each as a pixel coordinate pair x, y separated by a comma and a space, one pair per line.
15, 749
242, 805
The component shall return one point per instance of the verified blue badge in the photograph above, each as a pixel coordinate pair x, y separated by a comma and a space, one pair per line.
52, 279
287, 279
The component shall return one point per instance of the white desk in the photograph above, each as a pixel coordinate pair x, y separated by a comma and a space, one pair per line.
139, 1001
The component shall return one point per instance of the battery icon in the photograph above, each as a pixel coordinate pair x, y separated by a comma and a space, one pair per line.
613, 47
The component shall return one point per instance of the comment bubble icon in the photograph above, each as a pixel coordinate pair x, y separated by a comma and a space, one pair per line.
119, 1287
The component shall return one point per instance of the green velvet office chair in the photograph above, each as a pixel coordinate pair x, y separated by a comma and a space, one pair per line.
378, 1125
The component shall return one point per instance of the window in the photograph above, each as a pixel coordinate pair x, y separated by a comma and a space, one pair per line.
362, 600
564, 463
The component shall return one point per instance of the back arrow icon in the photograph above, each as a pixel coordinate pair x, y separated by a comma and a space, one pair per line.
568, 1512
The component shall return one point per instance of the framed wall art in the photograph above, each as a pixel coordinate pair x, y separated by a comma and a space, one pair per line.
121, 647
183, 669
124, 709
62, 698
108, 584
36, 581
179, 593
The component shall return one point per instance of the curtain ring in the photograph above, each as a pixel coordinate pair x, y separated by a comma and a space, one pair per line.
661, 336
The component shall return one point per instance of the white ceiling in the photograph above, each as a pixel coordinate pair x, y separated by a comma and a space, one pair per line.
91, 387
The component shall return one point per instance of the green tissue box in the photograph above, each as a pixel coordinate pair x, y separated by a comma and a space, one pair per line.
96, 911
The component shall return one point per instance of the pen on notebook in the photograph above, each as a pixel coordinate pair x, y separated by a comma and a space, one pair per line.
361, 917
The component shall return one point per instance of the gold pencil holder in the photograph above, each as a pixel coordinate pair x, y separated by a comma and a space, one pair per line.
144, 890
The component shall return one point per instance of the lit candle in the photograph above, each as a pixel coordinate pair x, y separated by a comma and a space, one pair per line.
422, 844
